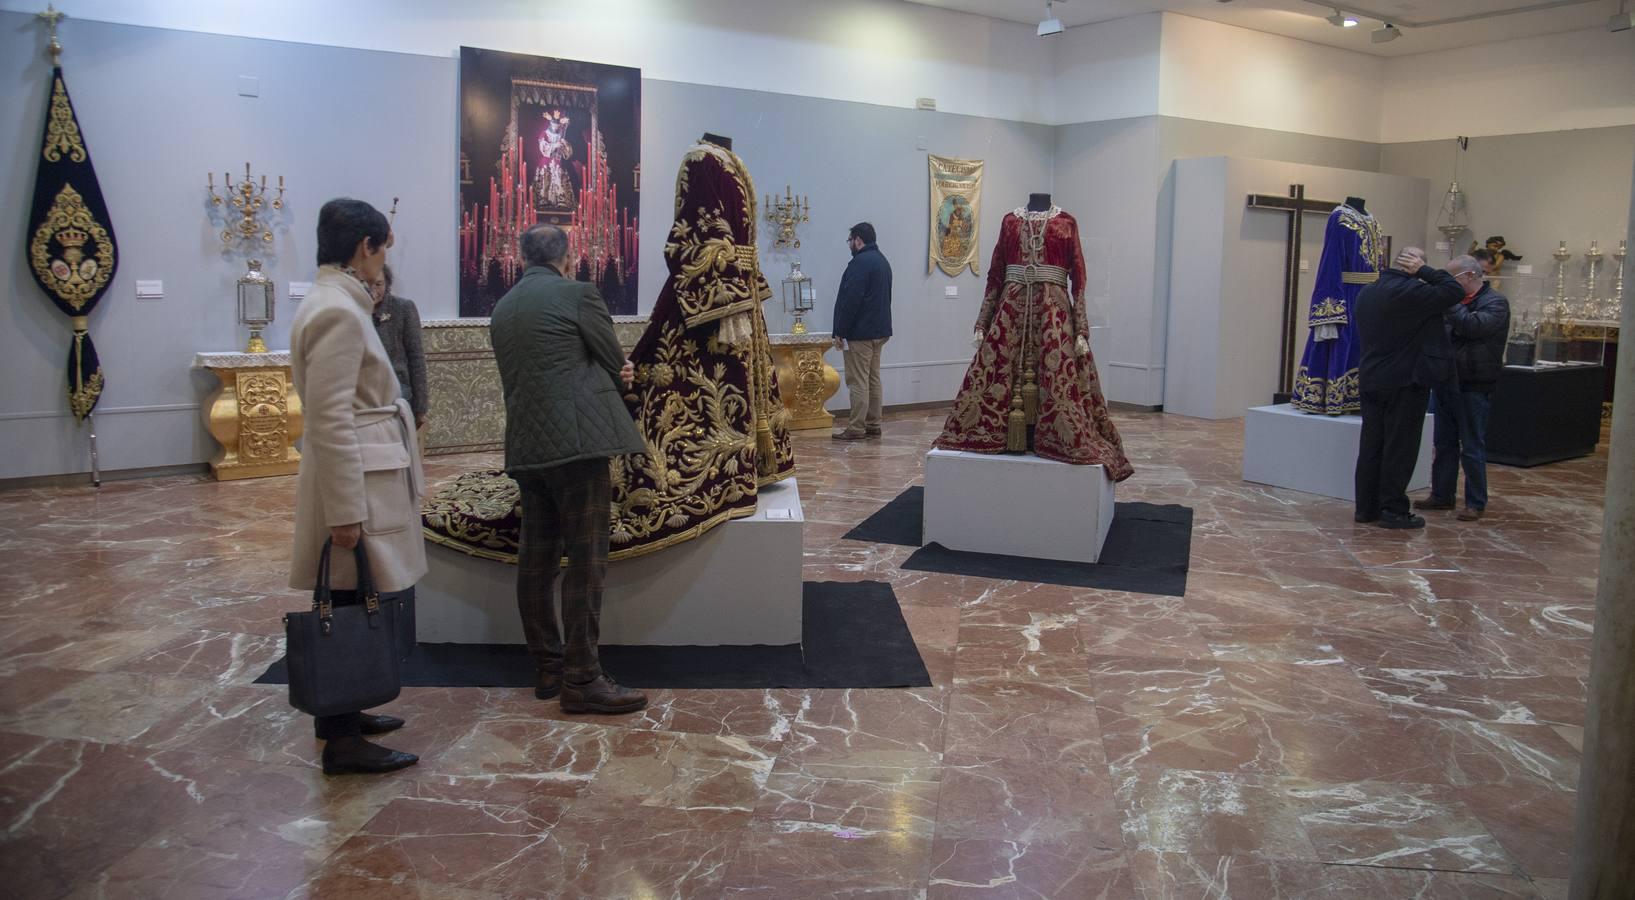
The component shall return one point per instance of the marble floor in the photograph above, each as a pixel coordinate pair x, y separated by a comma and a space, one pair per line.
1331, 711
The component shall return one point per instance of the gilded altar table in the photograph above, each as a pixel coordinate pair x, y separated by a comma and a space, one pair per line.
806, 381
254, 414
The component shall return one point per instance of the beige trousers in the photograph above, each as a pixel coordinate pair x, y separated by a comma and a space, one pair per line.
862, 360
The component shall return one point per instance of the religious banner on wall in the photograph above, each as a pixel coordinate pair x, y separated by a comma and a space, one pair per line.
547, 140
956, 208
71, 239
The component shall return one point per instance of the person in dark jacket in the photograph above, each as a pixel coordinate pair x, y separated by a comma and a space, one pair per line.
862, 327
397, 321
1478, 326
1405, 354
561, 368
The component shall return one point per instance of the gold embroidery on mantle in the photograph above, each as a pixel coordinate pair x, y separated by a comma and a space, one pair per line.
1331, 311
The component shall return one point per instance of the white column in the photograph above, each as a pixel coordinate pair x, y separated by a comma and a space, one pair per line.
1603, 861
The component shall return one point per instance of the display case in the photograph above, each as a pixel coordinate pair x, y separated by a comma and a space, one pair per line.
1547, 326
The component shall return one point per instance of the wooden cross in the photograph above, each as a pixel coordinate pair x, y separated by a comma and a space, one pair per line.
1293, 206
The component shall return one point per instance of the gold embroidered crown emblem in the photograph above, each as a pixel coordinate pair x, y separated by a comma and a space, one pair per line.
72, 237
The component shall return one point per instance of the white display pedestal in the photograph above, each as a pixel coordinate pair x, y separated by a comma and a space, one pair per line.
1286, 448
1016, 505
738, 584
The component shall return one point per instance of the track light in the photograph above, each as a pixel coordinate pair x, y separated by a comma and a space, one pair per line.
1384, 34
1342, 20
1050, 25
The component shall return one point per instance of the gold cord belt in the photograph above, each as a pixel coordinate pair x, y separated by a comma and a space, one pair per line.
1359, 277
1036, 274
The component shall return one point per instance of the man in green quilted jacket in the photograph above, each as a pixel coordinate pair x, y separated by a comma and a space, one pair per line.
562, 367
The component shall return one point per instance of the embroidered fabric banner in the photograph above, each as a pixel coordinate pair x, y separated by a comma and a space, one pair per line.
71, 240
956, 210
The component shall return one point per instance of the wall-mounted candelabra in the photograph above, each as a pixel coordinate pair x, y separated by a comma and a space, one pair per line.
787, 212
250, 200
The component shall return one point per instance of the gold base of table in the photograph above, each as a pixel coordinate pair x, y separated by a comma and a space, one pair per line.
255, 415
806, 381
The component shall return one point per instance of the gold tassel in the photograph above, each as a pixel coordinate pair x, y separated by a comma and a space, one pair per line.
1016, 434
767, 462
1030, 402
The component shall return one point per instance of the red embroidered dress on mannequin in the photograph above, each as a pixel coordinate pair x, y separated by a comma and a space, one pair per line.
1033, 384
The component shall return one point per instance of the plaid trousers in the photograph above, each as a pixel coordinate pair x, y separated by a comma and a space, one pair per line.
565, 512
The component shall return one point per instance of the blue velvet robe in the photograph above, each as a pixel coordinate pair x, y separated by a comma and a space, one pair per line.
1326, 382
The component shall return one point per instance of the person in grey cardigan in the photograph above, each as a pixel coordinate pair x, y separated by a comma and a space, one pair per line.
397, 321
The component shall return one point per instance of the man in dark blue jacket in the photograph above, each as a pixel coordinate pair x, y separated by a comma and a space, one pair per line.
1478, 326
862, 327
1405, 354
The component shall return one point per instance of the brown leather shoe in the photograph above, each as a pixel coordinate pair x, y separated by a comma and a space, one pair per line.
871, 432
548, 683
601, 696
1466, 514
849, 435
1433, 503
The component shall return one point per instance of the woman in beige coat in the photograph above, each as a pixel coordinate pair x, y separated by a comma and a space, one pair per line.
360, 464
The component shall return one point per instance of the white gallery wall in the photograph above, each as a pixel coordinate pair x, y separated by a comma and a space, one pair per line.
882, 52
1227, 272
819, 96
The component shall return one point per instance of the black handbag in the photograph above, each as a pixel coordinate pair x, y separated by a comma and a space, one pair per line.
342, 658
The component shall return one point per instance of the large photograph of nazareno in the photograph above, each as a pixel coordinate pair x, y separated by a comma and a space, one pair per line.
547, 140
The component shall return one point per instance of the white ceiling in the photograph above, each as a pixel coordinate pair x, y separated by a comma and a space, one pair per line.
1305, 21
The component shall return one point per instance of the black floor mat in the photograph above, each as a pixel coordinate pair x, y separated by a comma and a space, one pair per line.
853, 636
1147, 550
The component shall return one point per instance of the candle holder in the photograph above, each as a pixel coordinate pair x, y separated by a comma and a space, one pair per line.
1557, 308
799, 295
1591, 309
1615, 306
250, 200
787, 212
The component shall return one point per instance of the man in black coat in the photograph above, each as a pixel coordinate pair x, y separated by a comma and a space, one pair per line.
1405, 354
862, 327
1478, 326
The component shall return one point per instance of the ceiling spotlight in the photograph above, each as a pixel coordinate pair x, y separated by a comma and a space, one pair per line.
1050, 25
1384, 34
1342, 20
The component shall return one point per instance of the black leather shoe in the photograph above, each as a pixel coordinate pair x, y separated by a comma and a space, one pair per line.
1364, 518
548, 684
356, 756
373, 724
1433, 503
1390, 521
601, 696
871, 432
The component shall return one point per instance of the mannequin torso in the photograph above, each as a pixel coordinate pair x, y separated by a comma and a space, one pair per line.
1038, 202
